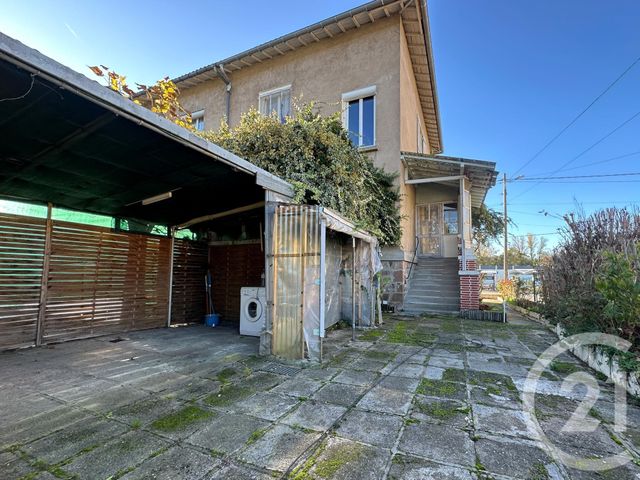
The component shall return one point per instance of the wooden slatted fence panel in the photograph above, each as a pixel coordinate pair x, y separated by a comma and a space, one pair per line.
234, 267
101, 282
21, 258
189, 270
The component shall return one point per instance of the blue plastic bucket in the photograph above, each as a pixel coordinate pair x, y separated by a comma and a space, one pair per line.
212, 320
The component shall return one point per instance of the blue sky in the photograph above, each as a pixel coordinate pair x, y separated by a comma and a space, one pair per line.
510, 75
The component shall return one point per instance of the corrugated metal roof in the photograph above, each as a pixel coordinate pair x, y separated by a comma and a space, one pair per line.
74, 142
482, 174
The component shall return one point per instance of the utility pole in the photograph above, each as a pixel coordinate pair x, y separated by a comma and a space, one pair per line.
505, 218
504, 260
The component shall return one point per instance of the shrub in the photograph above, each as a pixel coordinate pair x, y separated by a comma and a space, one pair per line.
315, 155
591, 280
507, 288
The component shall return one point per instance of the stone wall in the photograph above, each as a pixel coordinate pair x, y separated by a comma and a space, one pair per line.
394, 277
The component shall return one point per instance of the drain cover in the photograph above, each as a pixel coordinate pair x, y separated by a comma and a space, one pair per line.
279, 368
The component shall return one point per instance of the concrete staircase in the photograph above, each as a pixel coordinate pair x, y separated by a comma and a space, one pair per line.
433, 287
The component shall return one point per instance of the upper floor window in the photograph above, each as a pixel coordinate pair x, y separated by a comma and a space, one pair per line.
360, 116
197, 120
278, 101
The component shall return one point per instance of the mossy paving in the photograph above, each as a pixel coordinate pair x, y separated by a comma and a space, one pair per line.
327, 461
181, 418
440, 388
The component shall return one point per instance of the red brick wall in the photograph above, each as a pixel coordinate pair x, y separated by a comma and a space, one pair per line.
470, 287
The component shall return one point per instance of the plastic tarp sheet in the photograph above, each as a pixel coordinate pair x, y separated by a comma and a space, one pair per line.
297, 280
334, 279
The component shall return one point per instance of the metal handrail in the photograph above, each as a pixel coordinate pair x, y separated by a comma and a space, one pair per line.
413, 260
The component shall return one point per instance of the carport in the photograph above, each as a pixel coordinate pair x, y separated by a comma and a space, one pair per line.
71, 143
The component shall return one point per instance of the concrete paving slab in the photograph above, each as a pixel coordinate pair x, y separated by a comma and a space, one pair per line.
356, 377
342, 459
449, 412
318, 373
266, 405
402, 384
386, 400
80, 436
516, 459
367, 364
36, 426
12, 466
237, 472
278, 448
500, 421
406, 467
597, 441
446, 361
434, 373
117, 456
298, 387
438, 442
146, 410
369, 427
227, 433
314, 416
409, 370
175, 463
339, 394
495, 397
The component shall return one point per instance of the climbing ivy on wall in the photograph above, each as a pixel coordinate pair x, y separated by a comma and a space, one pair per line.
314, 154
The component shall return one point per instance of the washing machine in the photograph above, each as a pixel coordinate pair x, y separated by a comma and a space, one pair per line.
253, 306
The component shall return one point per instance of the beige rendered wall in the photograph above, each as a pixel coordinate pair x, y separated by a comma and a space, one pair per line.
410, 114
375, 54
434, 193
321, 72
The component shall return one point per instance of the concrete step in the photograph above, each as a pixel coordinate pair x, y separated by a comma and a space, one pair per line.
417, 310
435, 299
431, 282
433, 287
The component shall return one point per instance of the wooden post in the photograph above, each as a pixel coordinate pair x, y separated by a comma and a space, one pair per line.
44, 283
170, 301
353, 288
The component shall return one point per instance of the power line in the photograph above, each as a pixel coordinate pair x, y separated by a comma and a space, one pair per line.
578, 116
597, 175
573, 203
551, 182
602, 139
599, 162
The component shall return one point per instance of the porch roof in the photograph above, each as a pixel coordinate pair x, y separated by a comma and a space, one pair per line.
71, 141
481, 174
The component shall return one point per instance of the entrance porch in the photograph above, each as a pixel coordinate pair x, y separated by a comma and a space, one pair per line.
446, 190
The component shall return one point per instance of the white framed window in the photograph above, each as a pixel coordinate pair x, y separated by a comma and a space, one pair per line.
421, 142
359, 111
197, 120
277, 100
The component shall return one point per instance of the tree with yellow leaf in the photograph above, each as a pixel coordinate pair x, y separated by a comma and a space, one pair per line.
160, 98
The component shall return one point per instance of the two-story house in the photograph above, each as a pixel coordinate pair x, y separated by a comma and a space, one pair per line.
374, 64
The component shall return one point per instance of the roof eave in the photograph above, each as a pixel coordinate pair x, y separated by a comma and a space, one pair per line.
41, 65
432, 72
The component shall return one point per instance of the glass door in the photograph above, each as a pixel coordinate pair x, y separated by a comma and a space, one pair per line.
429, 227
